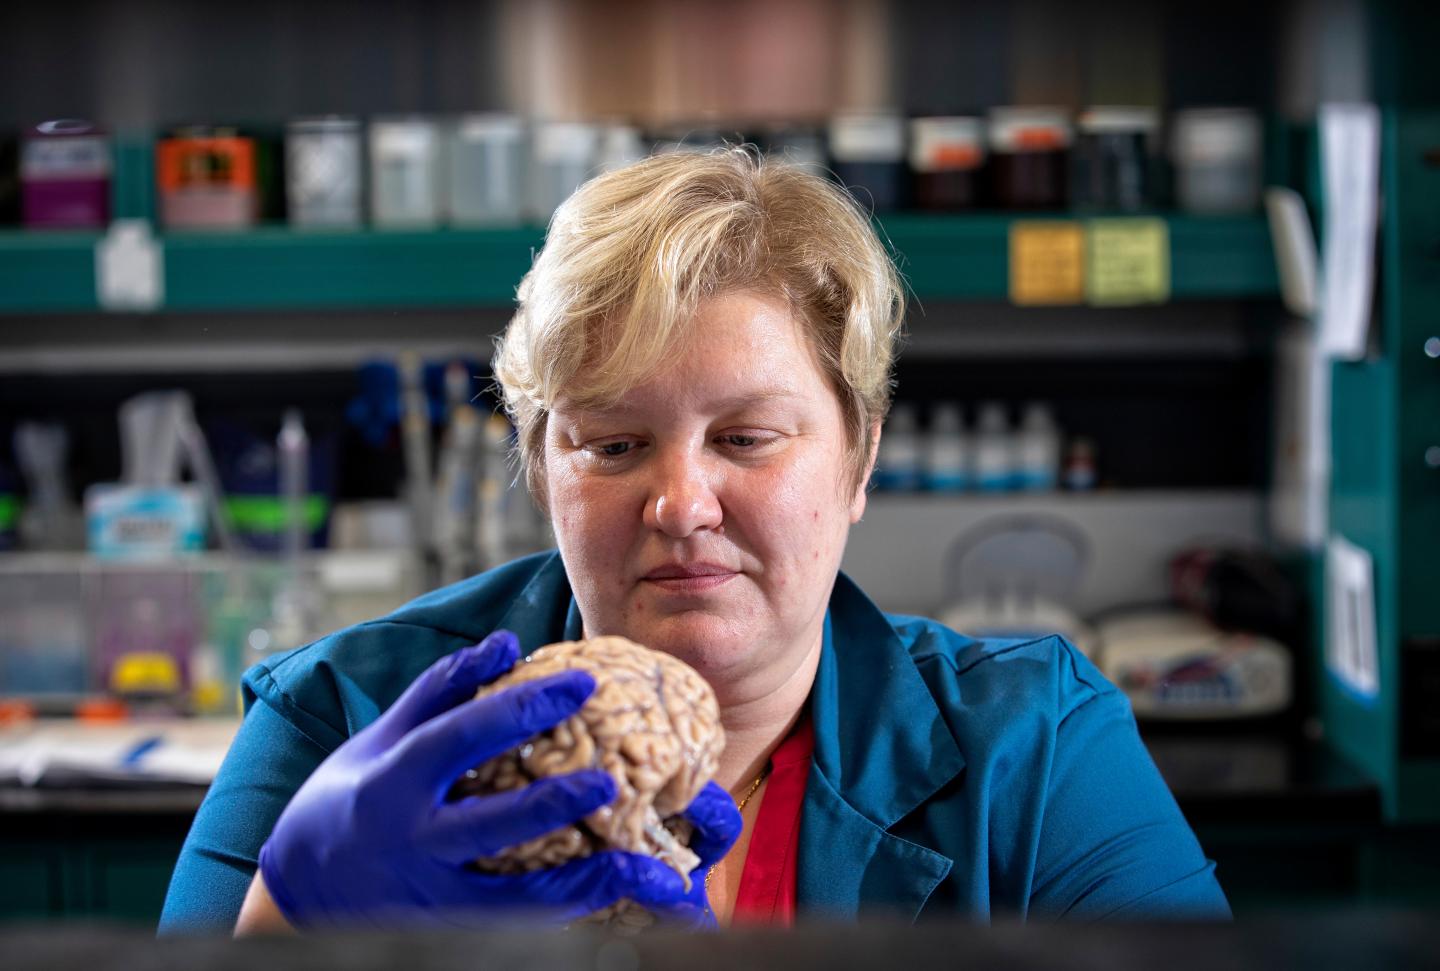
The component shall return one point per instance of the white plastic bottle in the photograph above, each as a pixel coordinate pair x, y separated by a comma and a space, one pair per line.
897, 466
994, 450
946, 456
1038, 449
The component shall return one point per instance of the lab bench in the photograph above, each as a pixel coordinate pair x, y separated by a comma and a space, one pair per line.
1290, 824
1315, 942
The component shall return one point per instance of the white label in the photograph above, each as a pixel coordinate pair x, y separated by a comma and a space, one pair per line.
1350, 642
129, 271
44, 159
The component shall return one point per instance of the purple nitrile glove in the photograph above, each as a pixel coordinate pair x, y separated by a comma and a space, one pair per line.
370, 838
717, 826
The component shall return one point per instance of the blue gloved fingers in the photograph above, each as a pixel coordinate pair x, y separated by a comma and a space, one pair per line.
583, 886
451, 680
717, 824
445, 746
485, 825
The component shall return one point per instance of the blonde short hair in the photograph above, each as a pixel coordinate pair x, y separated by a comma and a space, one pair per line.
630, 255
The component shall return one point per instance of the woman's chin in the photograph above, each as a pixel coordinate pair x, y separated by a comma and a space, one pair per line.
709, 644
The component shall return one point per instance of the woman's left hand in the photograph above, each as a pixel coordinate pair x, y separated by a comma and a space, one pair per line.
717, 826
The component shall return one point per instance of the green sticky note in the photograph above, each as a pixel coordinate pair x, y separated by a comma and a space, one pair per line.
1127, 261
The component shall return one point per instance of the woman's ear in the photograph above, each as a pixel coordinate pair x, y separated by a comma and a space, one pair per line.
862, 488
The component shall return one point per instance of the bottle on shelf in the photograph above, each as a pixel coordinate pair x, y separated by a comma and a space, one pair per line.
897, 466
1037, 449
65, 168
1218, 156
947, 157
1112, 168
323, 180
407, 190
1080, 475
994, 450
867, 152
946, 456
489, 157
563, 155
1029, 155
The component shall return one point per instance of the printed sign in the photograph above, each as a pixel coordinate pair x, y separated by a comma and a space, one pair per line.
1047, 263
1129, 261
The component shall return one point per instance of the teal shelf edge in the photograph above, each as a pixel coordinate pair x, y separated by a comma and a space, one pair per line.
276, 269
943, 257
47, 272
967, 257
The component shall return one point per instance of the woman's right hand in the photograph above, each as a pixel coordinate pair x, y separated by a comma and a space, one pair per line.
370, 838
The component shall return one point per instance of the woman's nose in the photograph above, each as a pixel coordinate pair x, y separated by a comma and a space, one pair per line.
682, 499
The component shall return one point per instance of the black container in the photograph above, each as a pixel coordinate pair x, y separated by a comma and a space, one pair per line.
1112, 163
947, 158
9, 179
868, 157
1029, 158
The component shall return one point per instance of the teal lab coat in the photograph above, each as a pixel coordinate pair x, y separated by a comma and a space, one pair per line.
951, 776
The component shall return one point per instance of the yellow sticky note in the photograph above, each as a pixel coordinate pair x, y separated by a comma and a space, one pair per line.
1129, 261
1047, 262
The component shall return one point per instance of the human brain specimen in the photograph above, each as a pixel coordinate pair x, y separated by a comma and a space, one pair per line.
653, 724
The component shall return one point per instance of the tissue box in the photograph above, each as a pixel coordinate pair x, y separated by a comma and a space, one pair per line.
134, 522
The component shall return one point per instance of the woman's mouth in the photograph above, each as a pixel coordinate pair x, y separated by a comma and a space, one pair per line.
689, 577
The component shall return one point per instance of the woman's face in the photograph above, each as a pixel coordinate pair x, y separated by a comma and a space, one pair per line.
706, 514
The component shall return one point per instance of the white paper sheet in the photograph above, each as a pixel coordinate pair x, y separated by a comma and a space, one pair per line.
1350, 167
1351, 654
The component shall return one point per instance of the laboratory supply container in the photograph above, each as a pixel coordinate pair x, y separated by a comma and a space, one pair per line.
947, 156
324, 173
1112, 165
406, 178
867, 153
65, 168
565, 155
207, 179
1029, 157
1217, 156
488, 161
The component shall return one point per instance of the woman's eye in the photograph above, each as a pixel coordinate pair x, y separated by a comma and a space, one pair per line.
613, 450
740, 441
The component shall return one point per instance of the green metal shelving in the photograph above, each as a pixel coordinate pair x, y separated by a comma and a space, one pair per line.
1385, 494
967, 257
957, 257
47, 272
271, 269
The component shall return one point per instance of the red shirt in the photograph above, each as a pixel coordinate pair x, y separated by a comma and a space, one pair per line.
767, 882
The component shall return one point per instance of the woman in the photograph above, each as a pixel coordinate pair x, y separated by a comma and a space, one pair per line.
698, 371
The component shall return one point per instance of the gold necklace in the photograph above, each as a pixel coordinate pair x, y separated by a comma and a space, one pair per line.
740, 807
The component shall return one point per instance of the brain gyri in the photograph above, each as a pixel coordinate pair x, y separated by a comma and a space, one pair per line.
653, 725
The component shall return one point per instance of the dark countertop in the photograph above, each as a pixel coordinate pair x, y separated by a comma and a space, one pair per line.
1262, 779
1347, 939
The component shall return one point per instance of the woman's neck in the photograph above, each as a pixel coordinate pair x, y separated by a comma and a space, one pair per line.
756, 725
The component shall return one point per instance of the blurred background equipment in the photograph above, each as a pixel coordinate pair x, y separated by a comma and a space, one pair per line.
1132, 407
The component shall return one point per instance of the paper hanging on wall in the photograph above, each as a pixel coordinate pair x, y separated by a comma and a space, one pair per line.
1128, 261
1350, 166
1047, 263
1351, 653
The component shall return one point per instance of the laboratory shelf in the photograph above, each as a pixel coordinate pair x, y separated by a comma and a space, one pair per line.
47, 272
943, 257
275, 268
967, 257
